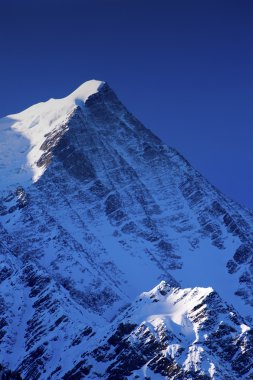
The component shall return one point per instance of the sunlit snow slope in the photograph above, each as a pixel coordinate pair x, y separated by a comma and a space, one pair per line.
23, 134
94, 211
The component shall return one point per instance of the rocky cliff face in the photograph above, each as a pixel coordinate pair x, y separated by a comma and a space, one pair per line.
94, 211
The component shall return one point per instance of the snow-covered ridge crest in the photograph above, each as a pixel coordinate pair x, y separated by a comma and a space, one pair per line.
22, 134
168, 303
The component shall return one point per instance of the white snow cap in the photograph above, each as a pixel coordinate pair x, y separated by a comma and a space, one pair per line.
22, 134
85, 90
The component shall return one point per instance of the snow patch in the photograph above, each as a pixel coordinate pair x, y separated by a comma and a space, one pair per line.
244, 328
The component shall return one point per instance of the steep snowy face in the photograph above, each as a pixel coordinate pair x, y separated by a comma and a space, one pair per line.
95, 210
23, 134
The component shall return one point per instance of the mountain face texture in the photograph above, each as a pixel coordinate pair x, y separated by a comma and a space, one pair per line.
118, 260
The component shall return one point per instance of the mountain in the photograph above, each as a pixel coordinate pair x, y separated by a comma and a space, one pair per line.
118, 260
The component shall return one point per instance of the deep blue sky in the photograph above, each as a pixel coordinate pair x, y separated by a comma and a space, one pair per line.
184, 68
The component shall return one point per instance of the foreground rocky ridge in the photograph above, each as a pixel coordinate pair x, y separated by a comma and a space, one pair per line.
173, 333
110, 212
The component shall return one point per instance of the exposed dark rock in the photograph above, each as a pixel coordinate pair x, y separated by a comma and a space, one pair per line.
243, 253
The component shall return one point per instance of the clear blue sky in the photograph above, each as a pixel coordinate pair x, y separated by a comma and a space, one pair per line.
184, 68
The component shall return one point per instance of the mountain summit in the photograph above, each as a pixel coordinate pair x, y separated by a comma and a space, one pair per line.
94, 212
23, 134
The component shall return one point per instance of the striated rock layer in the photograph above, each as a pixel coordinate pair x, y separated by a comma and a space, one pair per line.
94, 211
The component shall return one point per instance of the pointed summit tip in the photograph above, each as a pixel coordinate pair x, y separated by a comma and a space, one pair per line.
86, 89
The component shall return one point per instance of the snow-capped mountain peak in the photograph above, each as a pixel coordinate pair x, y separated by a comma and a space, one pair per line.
23, 134
83, 92
94, 211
